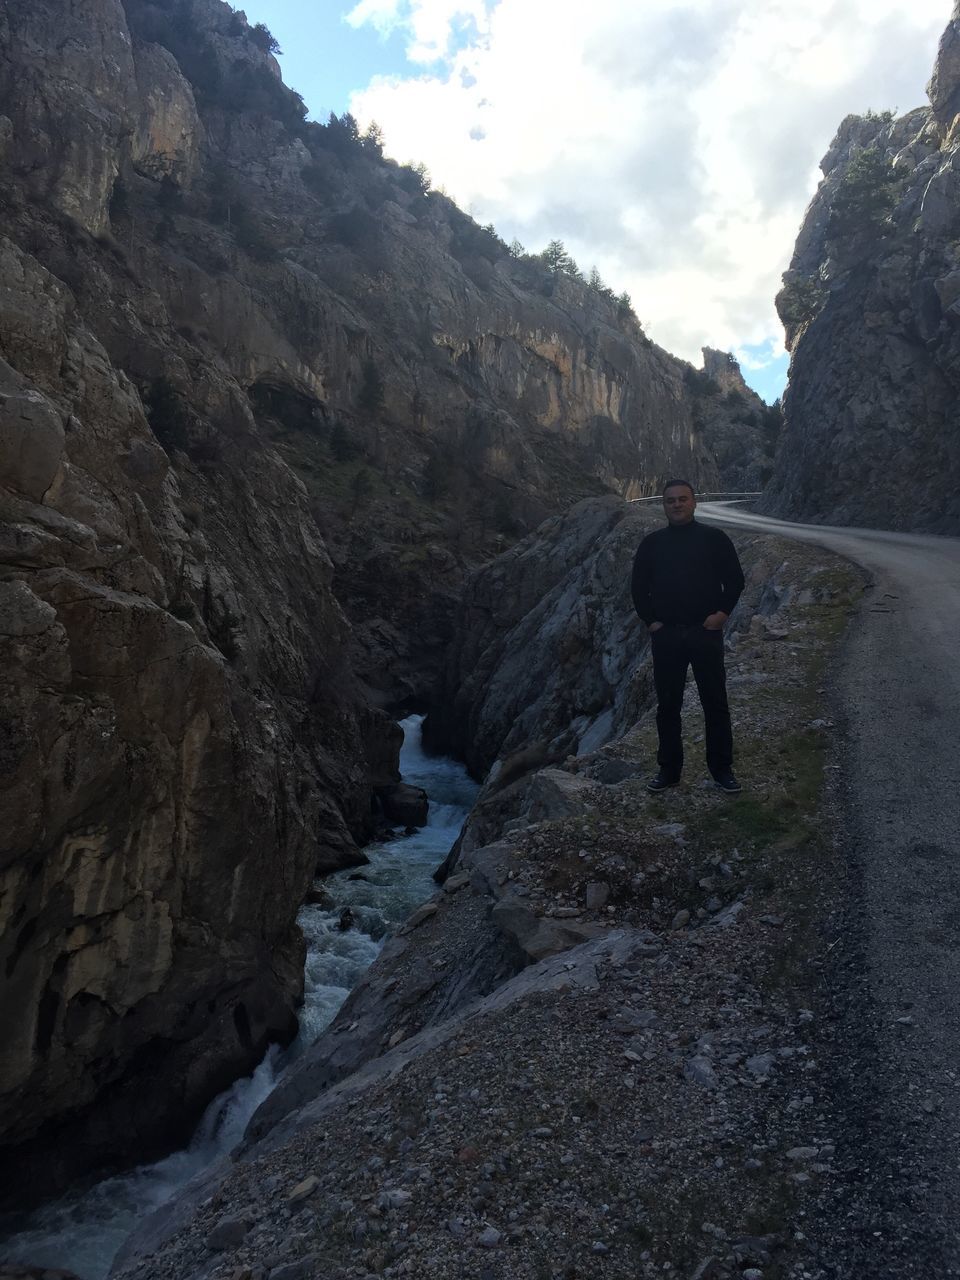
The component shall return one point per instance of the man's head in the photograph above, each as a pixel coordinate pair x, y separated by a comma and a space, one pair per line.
679, 501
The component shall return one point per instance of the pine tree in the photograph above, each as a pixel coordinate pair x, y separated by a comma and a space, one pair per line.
423, 176
264, 38
555, 258
372, 139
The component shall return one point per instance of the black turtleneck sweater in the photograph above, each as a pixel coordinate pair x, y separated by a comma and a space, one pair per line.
682, 573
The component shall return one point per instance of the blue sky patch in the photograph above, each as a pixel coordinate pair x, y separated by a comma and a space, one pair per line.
324, 58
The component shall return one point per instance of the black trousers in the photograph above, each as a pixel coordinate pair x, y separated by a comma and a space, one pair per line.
675, 648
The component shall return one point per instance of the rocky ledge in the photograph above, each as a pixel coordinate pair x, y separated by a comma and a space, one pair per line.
599, 1049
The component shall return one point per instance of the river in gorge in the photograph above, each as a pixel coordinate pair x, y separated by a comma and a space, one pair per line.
83, 1232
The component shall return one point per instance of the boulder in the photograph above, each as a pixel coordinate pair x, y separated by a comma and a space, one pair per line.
31, 439
404, 804
537, 936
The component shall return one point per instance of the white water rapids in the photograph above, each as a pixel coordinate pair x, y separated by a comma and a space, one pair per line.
82, 1232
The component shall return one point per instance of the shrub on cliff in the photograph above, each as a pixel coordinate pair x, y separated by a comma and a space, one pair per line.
469, 240
800, 300
318, 178
175, 29
771, 422
864, 197
556, 259
699, 382
264, 39
253, 89
342, 135
356, 229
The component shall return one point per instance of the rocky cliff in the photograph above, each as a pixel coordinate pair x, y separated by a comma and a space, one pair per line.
183, 742
427, 386
544, 658
603, 1046
740, 431
870, 306
257, 384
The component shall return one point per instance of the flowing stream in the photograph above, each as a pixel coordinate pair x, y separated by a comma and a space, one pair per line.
82, 1232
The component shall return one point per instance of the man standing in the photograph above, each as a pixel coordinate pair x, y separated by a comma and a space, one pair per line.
686, 580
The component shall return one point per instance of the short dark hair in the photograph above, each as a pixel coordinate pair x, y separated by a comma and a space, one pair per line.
672, 484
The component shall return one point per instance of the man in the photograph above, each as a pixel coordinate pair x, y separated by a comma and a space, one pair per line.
686, 581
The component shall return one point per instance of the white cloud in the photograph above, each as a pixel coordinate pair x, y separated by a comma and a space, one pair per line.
433, 26
673, 143
382, 14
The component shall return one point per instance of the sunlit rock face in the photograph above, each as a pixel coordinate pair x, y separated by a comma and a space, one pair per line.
870, 307
73, 102
168, 136
264, 403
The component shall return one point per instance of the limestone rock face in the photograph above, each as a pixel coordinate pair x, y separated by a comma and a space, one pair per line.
740, 431
169, 133
870, 309
67, 63
944, 87
426, 386
182, 749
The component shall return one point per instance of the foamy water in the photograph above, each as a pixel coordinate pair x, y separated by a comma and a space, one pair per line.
83, 1232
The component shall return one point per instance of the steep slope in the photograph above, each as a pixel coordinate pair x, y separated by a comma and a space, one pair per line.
183, 742
545, 654
426, 385
256, 381
607, 1046
872, 432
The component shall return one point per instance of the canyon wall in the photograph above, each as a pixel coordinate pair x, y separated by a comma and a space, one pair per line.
871, 306
265, 401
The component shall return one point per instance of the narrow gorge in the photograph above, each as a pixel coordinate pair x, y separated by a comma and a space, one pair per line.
266, 401
292, 451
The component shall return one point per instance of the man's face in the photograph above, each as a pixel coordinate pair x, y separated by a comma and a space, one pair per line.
679, 504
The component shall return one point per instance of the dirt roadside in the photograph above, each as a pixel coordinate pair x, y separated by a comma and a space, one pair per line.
896, 975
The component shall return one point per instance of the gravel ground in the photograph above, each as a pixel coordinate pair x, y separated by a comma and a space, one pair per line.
895, 983
653, 1102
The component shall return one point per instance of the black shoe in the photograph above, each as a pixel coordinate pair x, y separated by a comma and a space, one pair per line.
662, 781
727, 782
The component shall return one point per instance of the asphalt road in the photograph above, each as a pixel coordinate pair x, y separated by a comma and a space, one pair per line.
898, 694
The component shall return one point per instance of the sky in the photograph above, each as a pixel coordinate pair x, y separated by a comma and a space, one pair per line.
673, 144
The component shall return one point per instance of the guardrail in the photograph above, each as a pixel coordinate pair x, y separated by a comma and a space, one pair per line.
702, 497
